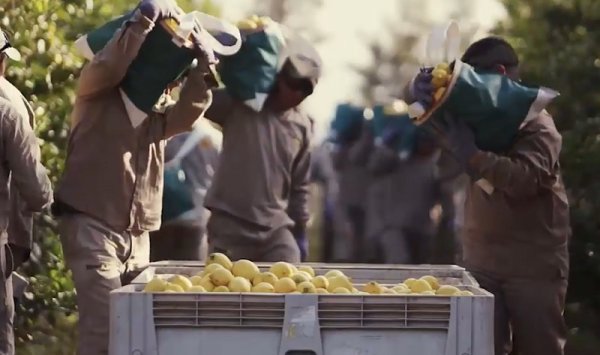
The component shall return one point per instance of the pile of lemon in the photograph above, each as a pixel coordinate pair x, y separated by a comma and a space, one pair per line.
441, 75
254, 22
223, 275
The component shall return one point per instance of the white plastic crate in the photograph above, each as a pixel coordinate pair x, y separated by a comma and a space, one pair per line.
360, 273
272, 324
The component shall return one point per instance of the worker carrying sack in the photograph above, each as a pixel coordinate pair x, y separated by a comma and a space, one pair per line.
494, 106
393, 128
347, 123
164, 56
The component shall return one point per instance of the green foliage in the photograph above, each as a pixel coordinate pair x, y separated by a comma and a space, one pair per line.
558, 45
44, 31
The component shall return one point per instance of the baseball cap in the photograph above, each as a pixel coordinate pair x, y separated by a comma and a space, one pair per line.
305, 61
7, 48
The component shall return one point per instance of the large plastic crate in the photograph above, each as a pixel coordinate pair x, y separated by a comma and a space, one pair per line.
360, 273
272, 324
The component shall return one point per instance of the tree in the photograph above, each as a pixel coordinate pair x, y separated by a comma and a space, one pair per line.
44, 31
557, 42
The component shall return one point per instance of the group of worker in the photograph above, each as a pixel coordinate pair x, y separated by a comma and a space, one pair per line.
108, 200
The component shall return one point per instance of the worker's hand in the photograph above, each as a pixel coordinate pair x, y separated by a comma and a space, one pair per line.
420, 88
157, 10
206, 58
458, 139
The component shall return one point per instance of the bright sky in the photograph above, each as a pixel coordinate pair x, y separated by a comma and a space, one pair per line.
342, 22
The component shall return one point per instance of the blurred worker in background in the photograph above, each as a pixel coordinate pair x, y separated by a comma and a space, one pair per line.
403, 195
182, 234
515, 237
259, 196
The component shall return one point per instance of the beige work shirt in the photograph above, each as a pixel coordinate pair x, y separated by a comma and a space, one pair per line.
264, 169
114, 171
522, 228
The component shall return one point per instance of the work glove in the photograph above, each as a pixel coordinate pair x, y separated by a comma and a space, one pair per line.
157, 10
420, 88
300, 237
206, 58
458, 139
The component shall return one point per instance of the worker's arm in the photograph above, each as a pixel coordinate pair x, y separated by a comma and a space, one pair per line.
383, 160
194, 100
529, 166
23, 156
109, 66
298, 203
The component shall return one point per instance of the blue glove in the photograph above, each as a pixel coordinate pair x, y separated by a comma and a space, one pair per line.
390, 135
421, 89
300, 236
157, 10
459, 140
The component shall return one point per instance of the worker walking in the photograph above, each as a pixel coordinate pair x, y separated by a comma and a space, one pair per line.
21, 165
110, 194
515, 238
259, 196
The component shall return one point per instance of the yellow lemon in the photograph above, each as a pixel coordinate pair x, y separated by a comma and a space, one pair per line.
301, 277
174, 288
339, 281
432, 281
267, 277
341, 290
282, 269
308, 269
245, 268
263, 287
221, 259
333, 273
307, 287
285, 285
221, 277
322, 291
373, 287
239, 284
466, 293
447, 290
181, 280
206, 283
197, 289
221, 289
156, 285
320, 282
419, 286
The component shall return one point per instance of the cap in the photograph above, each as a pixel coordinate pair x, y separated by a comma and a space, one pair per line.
7, 48
305, 61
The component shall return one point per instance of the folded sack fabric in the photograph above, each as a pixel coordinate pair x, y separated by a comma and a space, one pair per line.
493, 105
250, 74
347, 123
163, 57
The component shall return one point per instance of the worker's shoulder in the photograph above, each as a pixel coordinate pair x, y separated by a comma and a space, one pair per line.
543, 124
8, 111
303, 119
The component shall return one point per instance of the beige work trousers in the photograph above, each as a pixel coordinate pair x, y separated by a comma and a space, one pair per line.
528, 314
100, 260
242, 240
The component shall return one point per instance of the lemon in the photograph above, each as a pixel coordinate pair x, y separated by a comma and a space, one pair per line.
195, 280
221, 289
245, 268
341, 290
447, 290
321, 291
443, 66
373, 288
466, 293
333, 273
221, 277
197, 289
239, 284
219, 258
307, 287
307, 269
263, 287
339, 281
409, 281
210, 268
320, 282
156, 285
247, 25
182, 281
427, 293
387, 291
432, 281
285, 285
419, 286
401, 290
206, 283
267, 277
301, 277
439, 93
171, 287
282, 269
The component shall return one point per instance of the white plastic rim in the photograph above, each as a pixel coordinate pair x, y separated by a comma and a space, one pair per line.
452, 41
213, 24
434, 52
